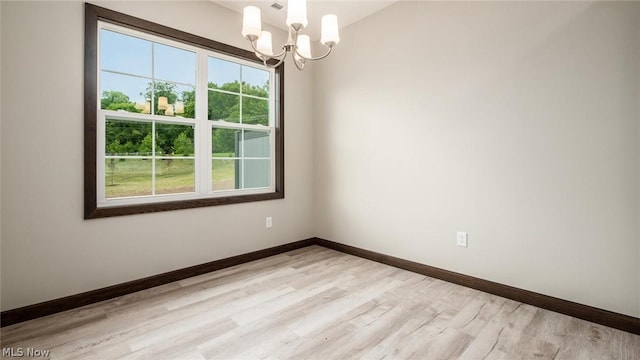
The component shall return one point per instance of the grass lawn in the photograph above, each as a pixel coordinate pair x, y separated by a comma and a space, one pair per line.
132, 177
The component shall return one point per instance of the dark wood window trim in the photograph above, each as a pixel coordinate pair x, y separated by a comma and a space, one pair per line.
93, 14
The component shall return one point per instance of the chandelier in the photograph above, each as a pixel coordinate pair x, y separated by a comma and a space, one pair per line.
299, 45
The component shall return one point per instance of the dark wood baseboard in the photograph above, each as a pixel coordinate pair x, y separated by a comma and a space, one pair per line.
599, 316
25, 313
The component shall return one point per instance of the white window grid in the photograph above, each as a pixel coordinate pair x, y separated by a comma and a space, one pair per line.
202, 129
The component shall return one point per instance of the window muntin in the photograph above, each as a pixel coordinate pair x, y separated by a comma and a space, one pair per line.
240, 158
238, 93
163, 156
145, 74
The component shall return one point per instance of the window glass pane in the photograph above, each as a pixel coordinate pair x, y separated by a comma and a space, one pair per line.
174, 140
125, 53
255, 81
127, 177
127, 138
255, 111
225, 142
256, 173
222, 72
185, 105
256, 143
225, 174
175, 175
122, 92
224, 106
174, 64
170, 97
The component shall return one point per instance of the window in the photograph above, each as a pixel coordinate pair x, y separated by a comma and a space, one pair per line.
175, 121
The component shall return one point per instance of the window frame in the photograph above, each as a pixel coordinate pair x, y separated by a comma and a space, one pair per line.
92, 208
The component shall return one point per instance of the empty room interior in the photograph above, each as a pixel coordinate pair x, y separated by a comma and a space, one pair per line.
296, 179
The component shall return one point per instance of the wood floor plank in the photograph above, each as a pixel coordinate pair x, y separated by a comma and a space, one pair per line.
316, 303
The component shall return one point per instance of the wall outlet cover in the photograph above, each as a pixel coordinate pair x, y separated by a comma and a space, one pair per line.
461, 239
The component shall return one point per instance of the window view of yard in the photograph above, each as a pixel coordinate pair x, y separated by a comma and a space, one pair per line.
132, 177
148, 156
129, 146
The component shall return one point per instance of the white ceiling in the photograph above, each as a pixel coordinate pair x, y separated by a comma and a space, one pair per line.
348, 11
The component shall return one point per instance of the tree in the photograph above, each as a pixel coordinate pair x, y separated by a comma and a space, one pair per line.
189, 100
130, 147
224, 140
117, 100
128, 134
183, 145
113, 97
221, 104
256, 90
113, 149
254, 111
146, 146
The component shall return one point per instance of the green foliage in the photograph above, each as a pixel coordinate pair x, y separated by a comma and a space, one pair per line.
116, 100
256, 90
146, 146
183, 145
167, 135
223, 106
114, 147
130, 107
113, 97
224, 140
130, 147
189, 100
254, 111
124, 137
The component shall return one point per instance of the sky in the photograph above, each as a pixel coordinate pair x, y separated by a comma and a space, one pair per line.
137, 60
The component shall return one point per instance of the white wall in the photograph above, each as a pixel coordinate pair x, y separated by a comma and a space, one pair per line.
48, 250
517, 122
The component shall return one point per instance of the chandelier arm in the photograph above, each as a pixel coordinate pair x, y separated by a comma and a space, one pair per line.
284, 51
277, 64
298, 64
315, 58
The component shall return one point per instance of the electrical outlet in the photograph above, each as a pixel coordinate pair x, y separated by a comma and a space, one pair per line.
269, 222
461, 239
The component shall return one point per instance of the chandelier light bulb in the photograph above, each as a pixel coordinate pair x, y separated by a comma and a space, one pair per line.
251, 23
297, 14
330, 35
163, 103
179, 107
264, 44
304, 46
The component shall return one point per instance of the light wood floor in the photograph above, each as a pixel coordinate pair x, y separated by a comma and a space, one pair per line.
320, 304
